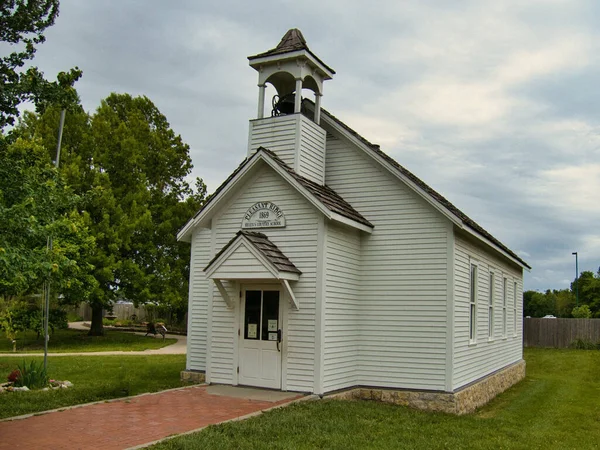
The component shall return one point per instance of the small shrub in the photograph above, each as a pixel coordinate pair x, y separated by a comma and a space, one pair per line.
109, 322
72, 317
12, 377
29, 317
582, 312
581, 344
32, 374
58, 319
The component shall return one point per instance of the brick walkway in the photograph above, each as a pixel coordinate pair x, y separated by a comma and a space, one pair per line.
127, 423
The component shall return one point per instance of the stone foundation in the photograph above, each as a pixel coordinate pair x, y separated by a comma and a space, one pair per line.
464, 401
192, 376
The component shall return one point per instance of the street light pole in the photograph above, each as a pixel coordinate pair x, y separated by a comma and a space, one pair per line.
576, 279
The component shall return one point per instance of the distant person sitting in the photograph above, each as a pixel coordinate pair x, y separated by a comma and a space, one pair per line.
153, 329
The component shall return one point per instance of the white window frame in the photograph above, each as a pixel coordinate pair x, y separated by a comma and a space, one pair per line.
504, 295
473, 276
515, 308
492, 281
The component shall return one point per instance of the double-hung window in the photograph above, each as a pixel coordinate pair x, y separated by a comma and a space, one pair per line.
491, 307
473, 305
504, 293
515, 308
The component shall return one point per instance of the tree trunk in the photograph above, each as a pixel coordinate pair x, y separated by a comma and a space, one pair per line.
96, 329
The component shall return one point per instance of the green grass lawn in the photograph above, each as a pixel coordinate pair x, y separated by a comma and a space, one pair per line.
94, 378
63, 341
556, 407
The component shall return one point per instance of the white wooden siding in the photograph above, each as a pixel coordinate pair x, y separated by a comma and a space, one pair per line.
198, 300
242, 264
298, 241
403, 293
474, 361
342, 314
297, 140
311, 156
277, 134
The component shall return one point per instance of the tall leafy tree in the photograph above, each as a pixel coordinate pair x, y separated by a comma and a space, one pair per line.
22, 26
131, 168
34, 204
556, 302
588, 284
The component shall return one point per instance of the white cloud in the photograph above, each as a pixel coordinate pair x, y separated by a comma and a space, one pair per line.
571, 189
447, 88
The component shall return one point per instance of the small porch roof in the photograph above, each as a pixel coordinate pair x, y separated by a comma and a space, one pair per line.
251, 255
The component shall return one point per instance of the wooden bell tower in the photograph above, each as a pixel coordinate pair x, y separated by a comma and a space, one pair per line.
296, 138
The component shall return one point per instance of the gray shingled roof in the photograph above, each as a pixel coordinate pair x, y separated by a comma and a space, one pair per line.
424, 186
269, 250
291, 41
324, 194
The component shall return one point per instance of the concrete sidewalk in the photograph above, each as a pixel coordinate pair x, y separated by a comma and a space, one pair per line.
139, 420
179, 348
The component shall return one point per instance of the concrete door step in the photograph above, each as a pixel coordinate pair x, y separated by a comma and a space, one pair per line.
250, 393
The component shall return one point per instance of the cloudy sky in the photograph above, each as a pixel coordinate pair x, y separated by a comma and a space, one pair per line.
495, 104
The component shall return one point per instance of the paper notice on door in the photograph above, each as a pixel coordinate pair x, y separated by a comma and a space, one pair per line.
252, 328
272, 336
272, 325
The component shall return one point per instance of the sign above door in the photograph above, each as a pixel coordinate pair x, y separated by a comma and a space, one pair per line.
263, 215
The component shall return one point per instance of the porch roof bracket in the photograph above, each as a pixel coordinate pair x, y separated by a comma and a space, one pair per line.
288, 288
228, 300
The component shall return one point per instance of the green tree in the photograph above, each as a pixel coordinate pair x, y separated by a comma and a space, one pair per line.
131, 168
565, 301
147, 164
589, 290
556, 302
34, 204
22, 26
537, 304
582, 312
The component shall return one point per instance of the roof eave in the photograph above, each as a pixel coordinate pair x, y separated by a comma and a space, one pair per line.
204, 214
447, 213
455, 219
256, 61
336, 217
499, 249
186, 232
278, 274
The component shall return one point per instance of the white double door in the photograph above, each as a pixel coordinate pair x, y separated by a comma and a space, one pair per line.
261, 336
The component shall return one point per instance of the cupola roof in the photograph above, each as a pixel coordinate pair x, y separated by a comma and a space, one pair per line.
292, 41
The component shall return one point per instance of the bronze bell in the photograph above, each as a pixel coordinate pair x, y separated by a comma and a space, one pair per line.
283, 104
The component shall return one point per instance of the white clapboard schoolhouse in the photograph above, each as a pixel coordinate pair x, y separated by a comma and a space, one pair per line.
322, 265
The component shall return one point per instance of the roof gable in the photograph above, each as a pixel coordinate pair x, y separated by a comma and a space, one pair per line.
322, 197
269, 261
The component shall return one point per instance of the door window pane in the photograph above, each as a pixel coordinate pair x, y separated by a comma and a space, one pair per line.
270, 315
252, 315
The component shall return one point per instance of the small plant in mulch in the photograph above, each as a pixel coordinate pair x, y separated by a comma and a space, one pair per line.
12, 377
30, 376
